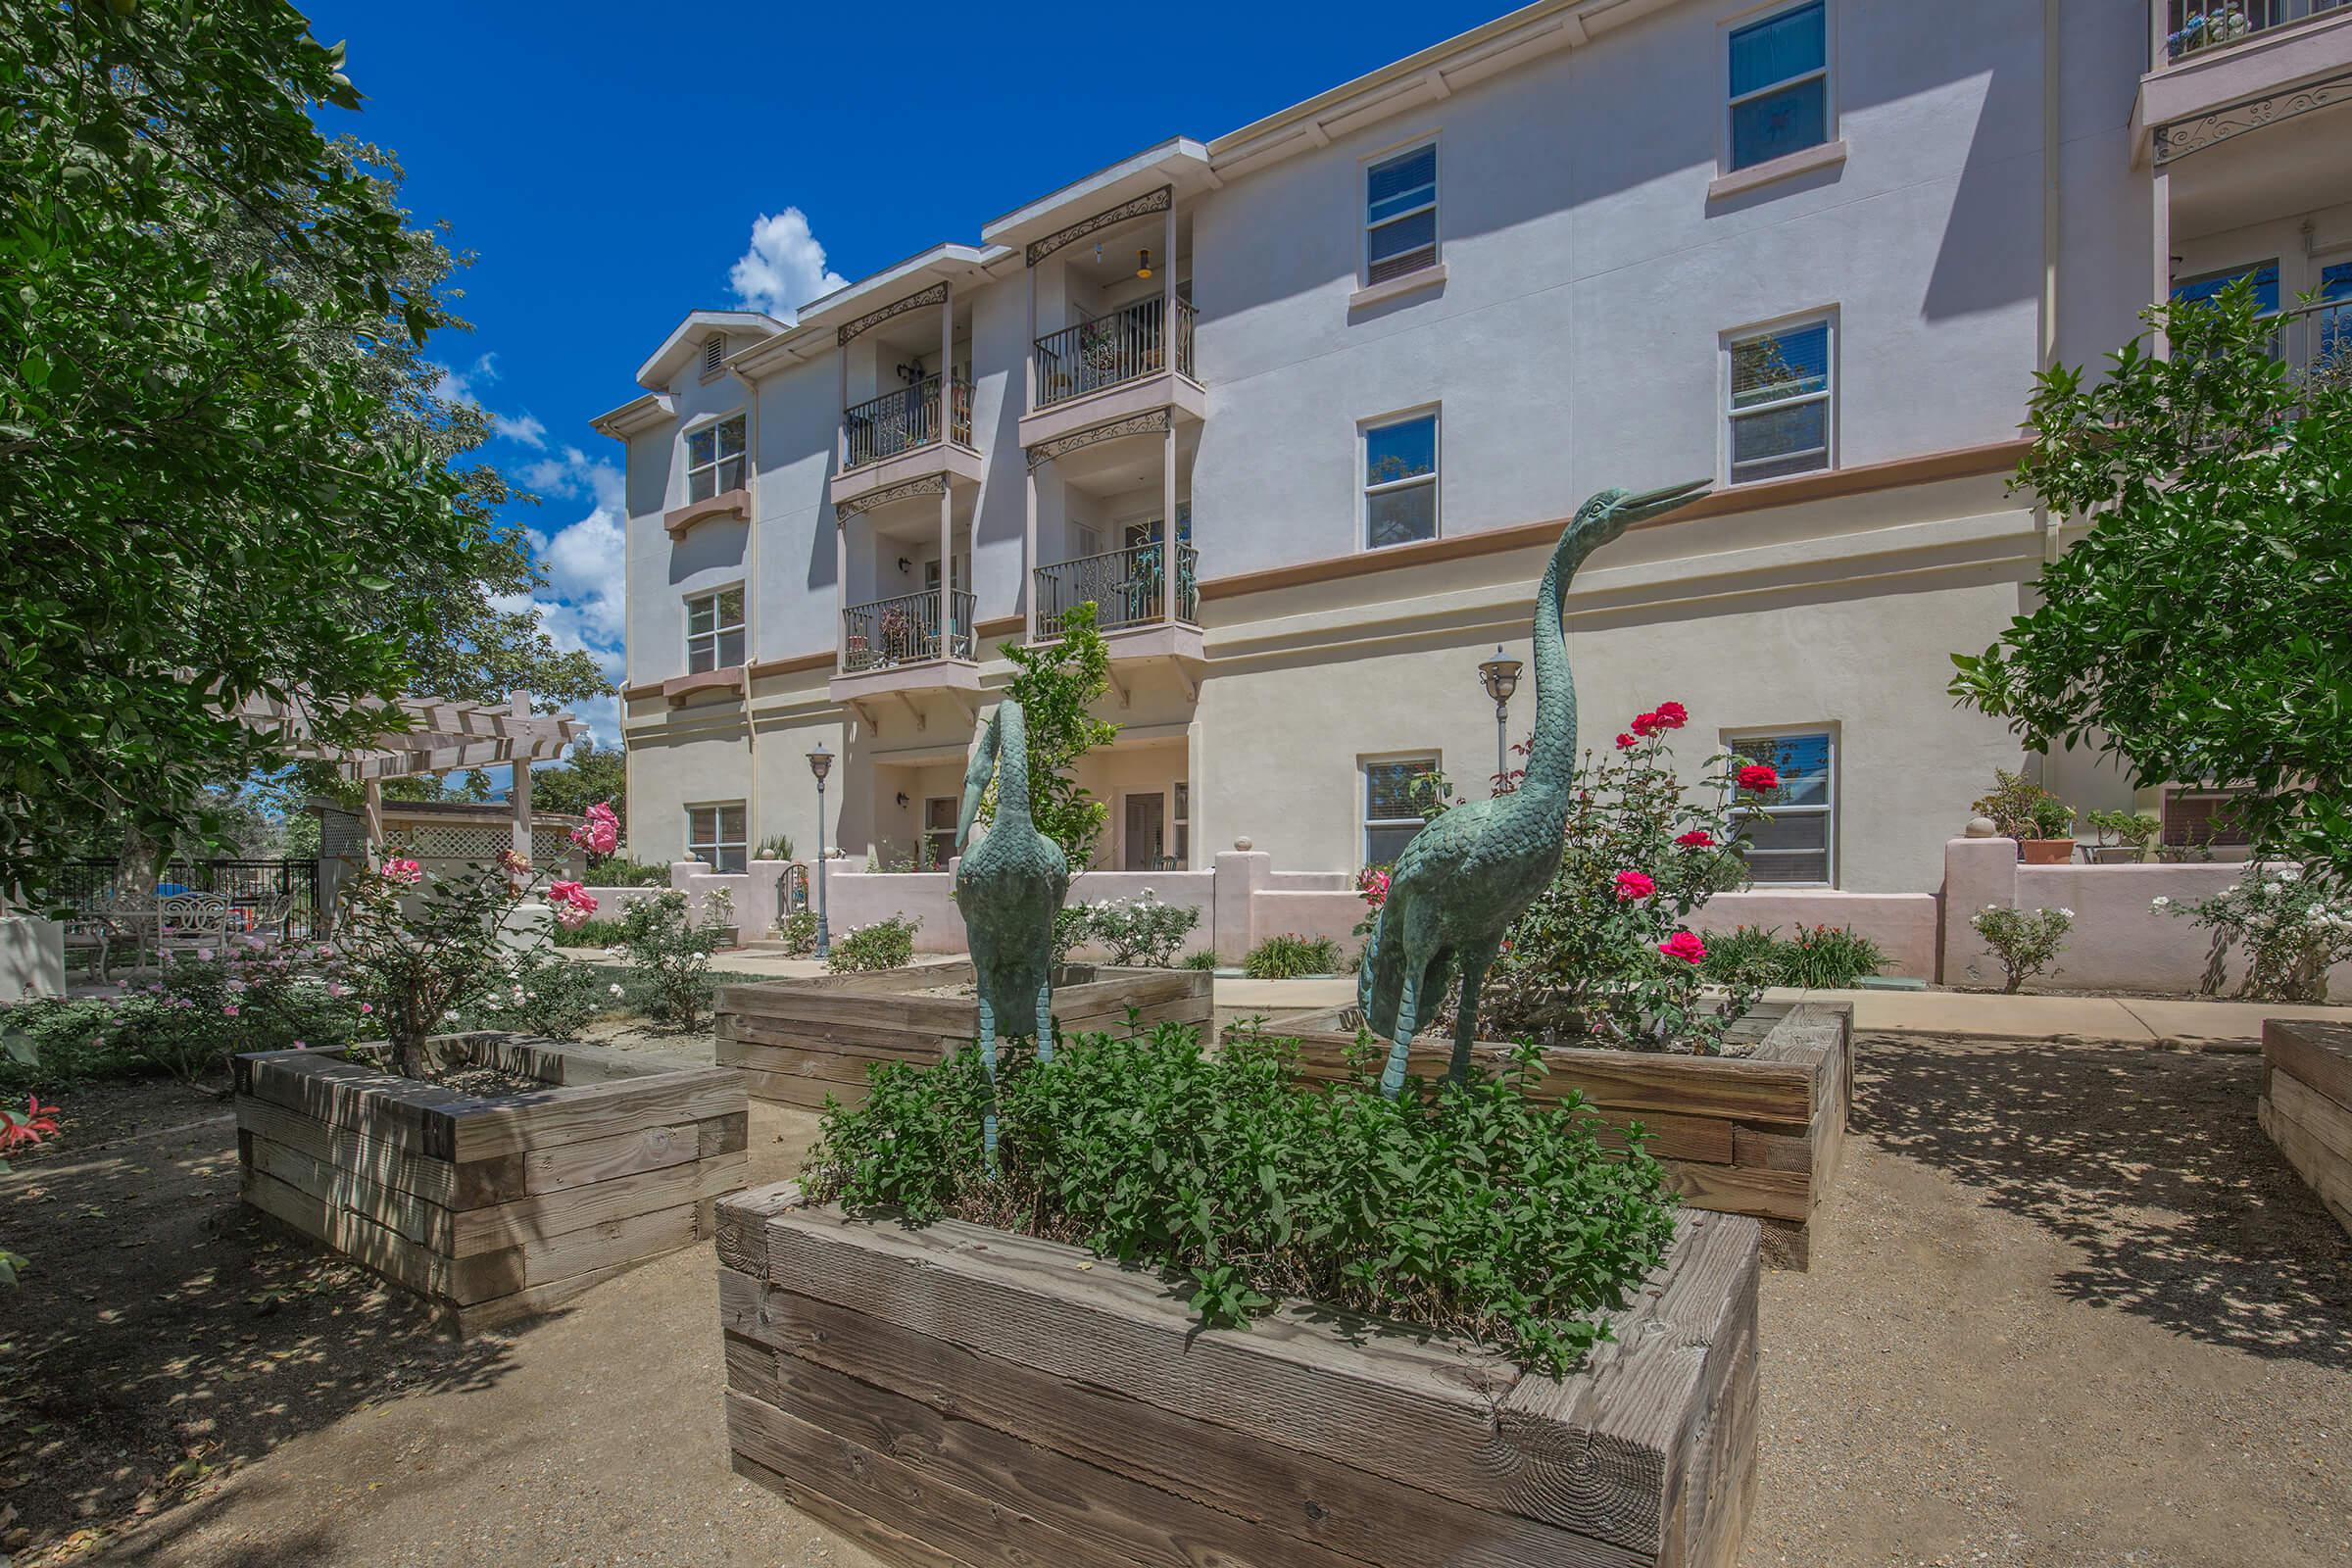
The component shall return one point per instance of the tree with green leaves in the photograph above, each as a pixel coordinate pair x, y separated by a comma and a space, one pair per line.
2201, 632
591, 775
1057, 684
222, 472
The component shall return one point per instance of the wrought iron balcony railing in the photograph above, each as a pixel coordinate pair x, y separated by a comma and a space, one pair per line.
2193, 26
904, 419
904, 630
2316, 341
1129, 343
1127, 587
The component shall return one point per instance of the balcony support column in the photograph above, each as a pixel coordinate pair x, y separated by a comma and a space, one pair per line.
2159, 221
1167, 300
1029, 561
841, 595
1167, 524
947, 363
841, 406
1029, 347
947, 570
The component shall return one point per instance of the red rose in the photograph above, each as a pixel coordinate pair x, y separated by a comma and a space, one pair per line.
1760, 777
1626, 743
1632, 885
1671, 715
1645, 724
1699, 838
1684, 945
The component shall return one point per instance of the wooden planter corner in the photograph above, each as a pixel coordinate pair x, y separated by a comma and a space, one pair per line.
2305, 1104
958, 1394
797, 1041
1760, 1133
500, 1206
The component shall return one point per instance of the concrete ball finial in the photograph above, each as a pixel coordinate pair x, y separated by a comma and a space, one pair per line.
1981, 827
1242, 843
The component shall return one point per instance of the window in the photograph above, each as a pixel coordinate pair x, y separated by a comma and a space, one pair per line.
1180, 817
2206, 285
714, 458
1779, 405
1391, 817
1780, 89
714, 630
1401, 214
716, 836
1400, 481
938, 830
1794, 838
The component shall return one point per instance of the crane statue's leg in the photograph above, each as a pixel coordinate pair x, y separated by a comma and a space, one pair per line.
987, 1065
1408, 1017
1045, 1008
1475, 965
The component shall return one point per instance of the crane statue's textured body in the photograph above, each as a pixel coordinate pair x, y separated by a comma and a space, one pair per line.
1007, 889
1466, 878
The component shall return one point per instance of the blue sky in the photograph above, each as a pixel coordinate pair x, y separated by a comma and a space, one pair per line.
614, 165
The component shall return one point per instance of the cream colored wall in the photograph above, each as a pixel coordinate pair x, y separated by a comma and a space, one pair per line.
685, 762
1110, 774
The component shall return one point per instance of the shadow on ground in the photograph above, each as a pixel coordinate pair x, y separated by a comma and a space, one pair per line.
165, 1333
2150, 1162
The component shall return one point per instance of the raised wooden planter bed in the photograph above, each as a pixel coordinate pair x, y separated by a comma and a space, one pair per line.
1757, 1132
957, 1394
2305, 1104
497, 1206
796, 1041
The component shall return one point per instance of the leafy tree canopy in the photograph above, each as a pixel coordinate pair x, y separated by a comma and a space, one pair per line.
223, 472
2201, 630
592, 774
1057, 684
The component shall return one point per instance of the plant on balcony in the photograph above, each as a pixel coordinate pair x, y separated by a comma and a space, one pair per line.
2200, 630
1057, 684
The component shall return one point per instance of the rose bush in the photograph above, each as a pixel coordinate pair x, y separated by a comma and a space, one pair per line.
1604, 956
2294, 928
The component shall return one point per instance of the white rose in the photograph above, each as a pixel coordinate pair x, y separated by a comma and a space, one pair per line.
2160, 902
2069, 913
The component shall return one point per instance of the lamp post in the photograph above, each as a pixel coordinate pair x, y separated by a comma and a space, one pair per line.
1501, 677
820, 763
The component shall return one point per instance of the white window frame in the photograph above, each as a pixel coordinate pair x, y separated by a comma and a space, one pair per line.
1365, 821
717, 845
1727, 415
1828, 809
1828, 74
1179, 823
1366, 225
719, 630
1367, 489
944, 837
718, 459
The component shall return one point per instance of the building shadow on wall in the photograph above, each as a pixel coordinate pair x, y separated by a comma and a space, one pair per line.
2149, 1164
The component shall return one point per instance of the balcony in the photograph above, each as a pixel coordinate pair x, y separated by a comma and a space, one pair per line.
2225, 69
904, 420
1127, 345
2193, 27
2316, 341
1129, 591
894, 633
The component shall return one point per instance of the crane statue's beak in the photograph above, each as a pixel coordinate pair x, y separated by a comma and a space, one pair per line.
1658, 503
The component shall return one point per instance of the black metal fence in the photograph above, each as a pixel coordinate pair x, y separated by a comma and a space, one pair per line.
267, 898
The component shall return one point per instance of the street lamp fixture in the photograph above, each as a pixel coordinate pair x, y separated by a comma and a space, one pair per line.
820, 764
1501, 677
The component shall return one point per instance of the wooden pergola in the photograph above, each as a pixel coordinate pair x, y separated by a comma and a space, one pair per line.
431, 736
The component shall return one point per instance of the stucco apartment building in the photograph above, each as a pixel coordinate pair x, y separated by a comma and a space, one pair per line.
1360, 357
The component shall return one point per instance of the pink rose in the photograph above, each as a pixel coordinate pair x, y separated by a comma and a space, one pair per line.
231, 1010
367, 1007
1684, 945
1645, 724
1632, 885
1760, 777
1626, 743
1671, 716
408, 871
1699, 838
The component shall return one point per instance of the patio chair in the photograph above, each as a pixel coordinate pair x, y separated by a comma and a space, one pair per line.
193, 923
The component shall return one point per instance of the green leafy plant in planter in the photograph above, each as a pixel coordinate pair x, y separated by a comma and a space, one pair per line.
2025, 944
2293, 926
669, 951
1288, 957
887, 944
1467, 1209
2124, 836
1819, 957
1204, 959
542, 994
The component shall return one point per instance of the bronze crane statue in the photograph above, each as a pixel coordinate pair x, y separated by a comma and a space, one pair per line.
1466, 878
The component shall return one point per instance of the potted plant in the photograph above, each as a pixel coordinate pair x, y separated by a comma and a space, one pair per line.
2053, 840
2123, 837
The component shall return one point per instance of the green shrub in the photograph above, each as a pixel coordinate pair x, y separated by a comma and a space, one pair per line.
589, 934
543, 994
620, 872
1751, 956
1141, 930
1470, 1211
1203, 959
2019, 807
1286, 957
2294, 925
885, 945
798, 932
1070, 923
669, 951
1826, 957
2026, 945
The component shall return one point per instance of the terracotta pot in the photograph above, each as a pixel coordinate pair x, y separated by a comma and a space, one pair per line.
2045, 852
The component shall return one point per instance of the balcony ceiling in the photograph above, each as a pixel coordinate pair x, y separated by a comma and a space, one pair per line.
1130, 462
2297, 165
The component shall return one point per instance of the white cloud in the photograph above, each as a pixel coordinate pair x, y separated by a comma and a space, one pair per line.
524, 429
785, 266
457, 386
576, 476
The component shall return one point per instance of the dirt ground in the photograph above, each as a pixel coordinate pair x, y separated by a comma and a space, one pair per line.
2067, 1308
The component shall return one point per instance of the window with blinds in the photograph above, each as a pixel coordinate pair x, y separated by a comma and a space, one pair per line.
1780, 85
1781, 393
716, 836
1401, 214
1792, 837
1390, 815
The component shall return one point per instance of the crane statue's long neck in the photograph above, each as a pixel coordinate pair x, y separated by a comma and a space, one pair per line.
1552, 753
1010, 733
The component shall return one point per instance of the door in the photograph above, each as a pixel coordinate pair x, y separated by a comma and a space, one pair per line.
1147, 832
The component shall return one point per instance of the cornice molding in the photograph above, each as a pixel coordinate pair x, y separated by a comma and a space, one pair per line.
935, 294
2201, 131
1155, 422
1151, 200
930, 484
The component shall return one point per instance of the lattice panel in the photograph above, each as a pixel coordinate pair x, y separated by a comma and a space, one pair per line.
450, 846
